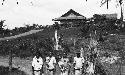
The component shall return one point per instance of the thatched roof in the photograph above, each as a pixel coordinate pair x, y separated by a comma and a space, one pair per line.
70, 15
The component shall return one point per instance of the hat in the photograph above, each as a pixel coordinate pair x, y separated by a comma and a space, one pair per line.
78, 53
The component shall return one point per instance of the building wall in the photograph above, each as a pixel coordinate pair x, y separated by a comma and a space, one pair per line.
72, 23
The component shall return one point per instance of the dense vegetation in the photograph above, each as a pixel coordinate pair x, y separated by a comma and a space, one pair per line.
73, 38
27, 45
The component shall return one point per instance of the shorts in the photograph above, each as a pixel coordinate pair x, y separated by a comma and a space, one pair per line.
78, 69
37, 70
51, 69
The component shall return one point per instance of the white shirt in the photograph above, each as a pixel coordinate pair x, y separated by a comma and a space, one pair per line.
37, 63
60, 63
63, 64
64, 61
79, 62
90, 68
51, 61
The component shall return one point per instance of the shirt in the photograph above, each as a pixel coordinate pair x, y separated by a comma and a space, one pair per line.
78, 62
37, 63
50, 62
64, 61
90, 68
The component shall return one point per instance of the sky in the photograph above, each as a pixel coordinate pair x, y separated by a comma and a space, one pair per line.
43, 11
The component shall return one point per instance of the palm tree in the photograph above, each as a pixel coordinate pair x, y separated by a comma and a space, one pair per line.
119, 2
56, 27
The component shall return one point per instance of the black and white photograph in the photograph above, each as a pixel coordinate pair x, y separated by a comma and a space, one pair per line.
62, 37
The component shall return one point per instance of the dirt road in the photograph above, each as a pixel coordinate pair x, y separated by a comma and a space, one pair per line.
22, 64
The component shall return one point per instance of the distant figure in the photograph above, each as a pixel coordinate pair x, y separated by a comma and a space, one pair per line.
51, 64
90, 68
37, 64
91, 62
64, 65
78, 64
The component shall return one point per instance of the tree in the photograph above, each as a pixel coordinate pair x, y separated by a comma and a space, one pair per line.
2, 24
119, 2
2, 27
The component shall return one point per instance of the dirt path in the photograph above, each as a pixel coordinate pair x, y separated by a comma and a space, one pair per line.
22, 64
20, 35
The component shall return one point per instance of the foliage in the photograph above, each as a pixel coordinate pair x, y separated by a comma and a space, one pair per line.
119, 3
113, 45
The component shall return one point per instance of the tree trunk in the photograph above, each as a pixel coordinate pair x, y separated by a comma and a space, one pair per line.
121, 12
107, 3
10, 61
121, 15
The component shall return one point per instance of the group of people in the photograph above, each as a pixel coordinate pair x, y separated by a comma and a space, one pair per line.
50, 65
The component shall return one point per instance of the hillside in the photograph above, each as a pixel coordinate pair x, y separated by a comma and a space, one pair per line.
28, 43
49, 33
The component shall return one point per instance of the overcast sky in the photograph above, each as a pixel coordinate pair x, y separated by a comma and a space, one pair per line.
43, 11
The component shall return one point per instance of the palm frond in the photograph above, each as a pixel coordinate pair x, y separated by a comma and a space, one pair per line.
104, 1
120, 2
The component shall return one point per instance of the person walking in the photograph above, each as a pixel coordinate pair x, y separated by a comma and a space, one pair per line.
37, 64
78, 64
90, 68
64, 65
51, 64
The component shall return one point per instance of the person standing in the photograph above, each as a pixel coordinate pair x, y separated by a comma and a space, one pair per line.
37, 64
78, 64
90, 68
64, 65
51, 64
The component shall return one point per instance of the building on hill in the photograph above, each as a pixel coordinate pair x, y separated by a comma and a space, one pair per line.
106, 16
70, 19
98, 18
110, 16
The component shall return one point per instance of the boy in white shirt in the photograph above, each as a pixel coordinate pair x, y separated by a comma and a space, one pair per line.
37, 64
90, 68
78, 64
50, 64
